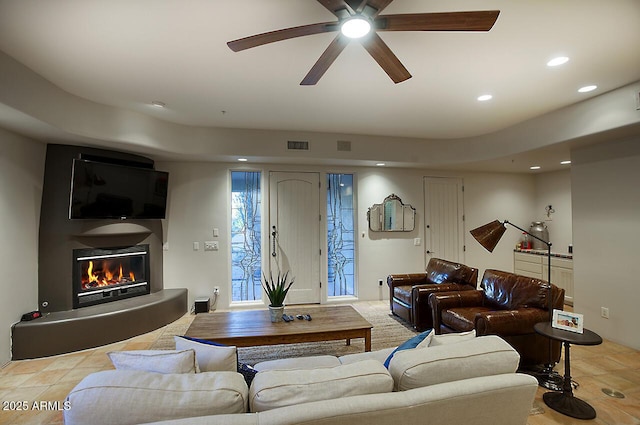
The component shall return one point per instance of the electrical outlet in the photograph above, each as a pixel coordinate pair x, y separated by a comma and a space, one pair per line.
216, 290
211, 245
604, 312
380, 281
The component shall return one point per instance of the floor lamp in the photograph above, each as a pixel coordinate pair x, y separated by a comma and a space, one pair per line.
488, 236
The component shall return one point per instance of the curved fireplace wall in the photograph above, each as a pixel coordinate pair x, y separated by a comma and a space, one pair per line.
63, 328
60, 236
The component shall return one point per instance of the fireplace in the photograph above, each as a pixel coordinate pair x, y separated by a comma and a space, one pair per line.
102, 275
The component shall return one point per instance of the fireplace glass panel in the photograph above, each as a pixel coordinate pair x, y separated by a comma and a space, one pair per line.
107, 274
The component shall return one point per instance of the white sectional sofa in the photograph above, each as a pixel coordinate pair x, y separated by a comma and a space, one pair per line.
447, 379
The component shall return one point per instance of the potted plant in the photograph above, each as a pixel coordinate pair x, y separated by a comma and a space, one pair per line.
277, 292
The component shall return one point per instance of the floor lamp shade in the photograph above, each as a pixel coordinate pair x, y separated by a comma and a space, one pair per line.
489, 235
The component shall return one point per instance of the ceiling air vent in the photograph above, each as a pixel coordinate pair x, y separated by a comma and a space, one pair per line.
297, 145
344, 146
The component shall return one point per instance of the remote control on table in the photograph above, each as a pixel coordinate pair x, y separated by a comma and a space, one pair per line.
307, 317
300, 316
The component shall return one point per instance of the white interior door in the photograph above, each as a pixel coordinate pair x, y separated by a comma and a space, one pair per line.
294, 216
444, 218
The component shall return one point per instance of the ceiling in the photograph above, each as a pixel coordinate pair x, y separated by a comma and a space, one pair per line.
126, 54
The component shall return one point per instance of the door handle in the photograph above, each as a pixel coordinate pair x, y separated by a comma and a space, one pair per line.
273, 241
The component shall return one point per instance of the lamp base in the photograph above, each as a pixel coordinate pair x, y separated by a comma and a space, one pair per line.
546, 376
569, 405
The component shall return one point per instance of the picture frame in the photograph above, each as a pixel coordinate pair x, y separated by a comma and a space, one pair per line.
572, 322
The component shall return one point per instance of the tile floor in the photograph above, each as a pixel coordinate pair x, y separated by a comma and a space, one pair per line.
50, 379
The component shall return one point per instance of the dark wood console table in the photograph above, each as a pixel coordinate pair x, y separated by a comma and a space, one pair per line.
564, 401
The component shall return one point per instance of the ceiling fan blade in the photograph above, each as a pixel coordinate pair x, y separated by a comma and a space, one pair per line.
340, 8
279, 35
446, 21
326, 59
379, 5
385, 58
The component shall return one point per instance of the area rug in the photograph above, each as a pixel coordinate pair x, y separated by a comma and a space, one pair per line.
387, 331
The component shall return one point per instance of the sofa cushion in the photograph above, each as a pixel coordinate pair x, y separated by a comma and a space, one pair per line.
509, 291
378, 355
481, 356
463, 318
452, 338
276, 388
439, 271
159, 361
311, 362
117, 397
410, 344
403, 293
211, 356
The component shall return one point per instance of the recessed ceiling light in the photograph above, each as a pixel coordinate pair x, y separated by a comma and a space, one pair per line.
535, 167
485, 97
242, 159
587, 89
356, 27
565, 162
158, 104
560, 60
381, 164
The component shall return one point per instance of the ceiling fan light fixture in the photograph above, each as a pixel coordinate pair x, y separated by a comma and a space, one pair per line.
356, 27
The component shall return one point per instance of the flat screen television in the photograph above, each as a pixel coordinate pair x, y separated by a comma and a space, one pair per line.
102, 190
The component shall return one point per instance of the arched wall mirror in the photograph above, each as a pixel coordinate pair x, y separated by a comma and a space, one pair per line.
391, 216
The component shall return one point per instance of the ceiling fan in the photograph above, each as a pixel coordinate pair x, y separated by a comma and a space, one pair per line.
366, 13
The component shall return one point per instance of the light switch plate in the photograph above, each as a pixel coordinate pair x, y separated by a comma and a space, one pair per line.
211, 245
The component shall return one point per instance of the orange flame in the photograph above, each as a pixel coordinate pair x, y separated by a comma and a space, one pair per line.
103, 275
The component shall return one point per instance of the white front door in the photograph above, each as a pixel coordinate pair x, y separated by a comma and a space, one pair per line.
294, 230
444, 219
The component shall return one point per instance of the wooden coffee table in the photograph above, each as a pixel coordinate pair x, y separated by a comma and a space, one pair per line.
248, 328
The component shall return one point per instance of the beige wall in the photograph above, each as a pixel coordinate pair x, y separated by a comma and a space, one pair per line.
199, 202
21, 172
606, 235
555, 189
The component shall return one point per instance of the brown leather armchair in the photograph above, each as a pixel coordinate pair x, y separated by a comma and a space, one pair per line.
507, 305
409, 293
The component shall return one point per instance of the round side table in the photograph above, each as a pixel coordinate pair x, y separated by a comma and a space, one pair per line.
564, 401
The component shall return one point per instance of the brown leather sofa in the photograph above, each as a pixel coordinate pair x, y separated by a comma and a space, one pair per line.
409, 293
507, 305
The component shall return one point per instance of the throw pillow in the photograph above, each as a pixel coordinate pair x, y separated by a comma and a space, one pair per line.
248, 372
453, 338
409, 344
211, 356
159, 361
